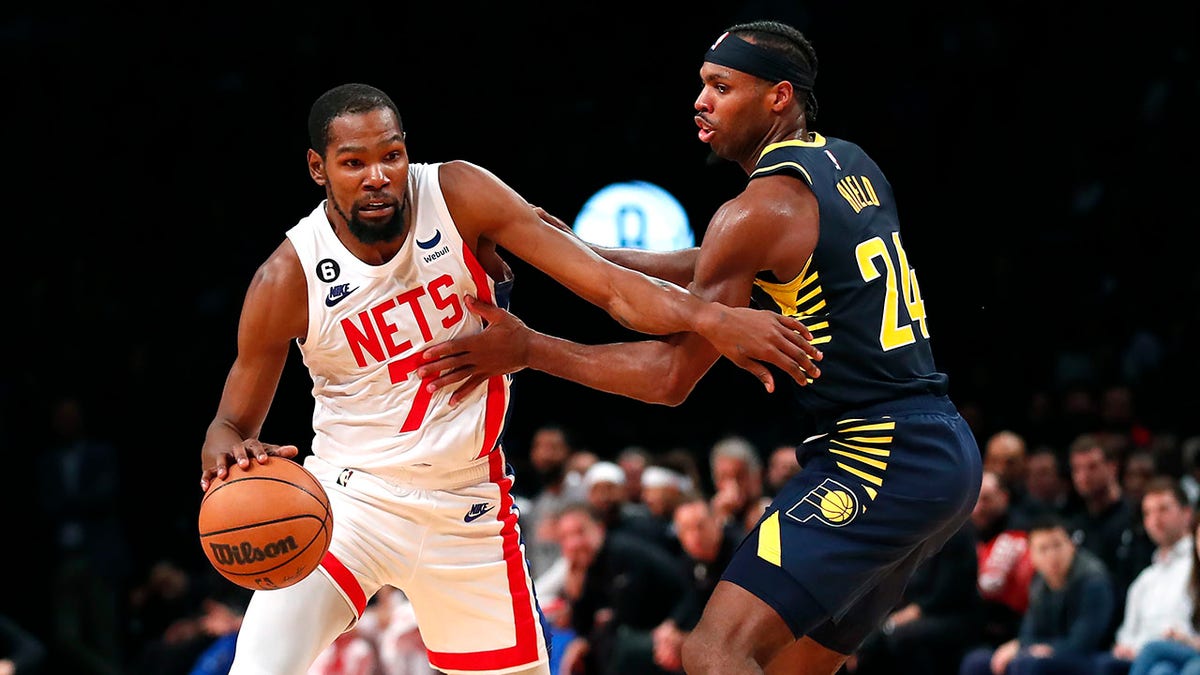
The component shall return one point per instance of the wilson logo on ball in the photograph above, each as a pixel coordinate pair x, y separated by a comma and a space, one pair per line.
246, 552
267, 525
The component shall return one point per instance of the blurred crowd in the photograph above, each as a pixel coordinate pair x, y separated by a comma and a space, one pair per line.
1079, 557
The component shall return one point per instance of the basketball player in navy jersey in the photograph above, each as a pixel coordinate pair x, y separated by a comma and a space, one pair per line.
419, 489
890, 468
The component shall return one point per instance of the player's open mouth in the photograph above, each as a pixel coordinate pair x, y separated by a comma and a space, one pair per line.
376, 209
706, 132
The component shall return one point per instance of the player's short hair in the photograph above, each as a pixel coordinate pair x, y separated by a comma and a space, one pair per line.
345, 99
789, 43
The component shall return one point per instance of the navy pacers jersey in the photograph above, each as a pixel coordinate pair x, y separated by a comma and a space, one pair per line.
858, 293
890, 470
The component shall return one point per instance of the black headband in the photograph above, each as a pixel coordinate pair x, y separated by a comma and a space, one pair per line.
734, 52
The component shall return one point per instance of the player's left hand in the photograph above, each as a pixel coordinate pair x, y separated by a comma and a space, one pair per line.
752, 338
499, 349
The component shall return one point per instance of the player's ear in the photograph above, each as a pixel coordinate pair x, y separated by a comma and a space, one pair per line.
316, 167
783, 94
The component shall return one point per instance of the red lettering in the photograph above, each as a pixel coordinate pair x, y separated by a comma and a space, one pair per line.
375, 336
362, 338
411, 298
442, 302
388, 329
400, 369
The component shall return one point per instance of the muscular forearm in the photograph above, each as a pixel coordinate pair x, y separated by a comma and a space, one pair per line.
678, 267
640, 370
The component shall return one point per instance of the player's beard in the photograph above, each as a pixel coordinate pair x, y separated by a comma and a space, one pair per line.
375, 232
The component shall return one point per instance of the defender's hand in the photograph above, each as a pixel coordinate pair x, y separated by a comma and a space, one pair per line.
499, 349
751, 337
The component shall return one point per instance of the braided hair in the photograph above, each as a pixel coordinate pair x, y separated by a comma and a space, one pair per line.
789, 43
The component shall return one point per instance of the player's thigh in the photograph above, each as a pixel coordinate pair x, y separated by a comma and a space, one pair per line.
806, 657
472, 592
738, 625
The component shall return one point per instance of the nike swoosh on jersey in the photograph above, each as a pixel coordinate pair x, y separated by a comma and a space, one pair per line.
337, 295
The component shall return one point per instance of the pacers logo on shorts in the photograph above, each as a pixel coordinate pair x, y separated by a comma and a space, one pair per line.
830, 502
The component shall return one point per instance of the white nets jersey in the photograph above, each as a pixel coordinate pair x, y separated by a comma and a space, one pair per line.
367, 325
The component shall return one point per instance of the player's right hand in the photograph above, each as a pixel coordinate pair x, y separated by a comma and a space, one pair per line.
215, 465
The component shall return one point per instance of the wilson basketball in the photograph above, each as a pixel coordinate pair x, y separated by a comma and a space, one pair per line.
267, 526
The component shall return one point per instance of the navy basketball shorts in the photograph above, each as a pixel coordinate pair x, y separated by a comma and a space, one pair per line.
877, 494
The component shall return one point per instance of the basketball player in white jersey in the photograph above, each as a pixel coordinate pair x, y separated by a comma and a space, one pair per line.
419, 488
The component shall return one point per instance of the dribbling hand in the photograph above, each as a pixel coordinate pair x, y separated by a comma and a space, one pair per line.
217, 467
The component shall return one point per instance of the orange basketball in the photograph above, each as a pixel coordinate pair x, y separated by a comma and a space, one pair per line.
267, 526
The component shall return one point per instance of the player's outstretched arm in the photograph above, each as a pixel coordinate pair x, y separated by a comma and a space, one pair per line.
273, 314
677, 267
486, 208
653, 371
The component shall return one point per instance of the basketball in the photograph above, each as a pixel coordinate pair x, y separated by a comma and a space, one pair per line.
267, 526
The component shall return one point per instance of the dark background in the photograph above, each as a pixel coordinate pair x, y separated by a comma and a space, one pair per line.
1042, 155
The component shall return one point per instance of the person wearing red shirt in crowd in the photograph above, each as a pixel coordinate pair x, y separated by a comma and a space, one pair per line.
1005, 569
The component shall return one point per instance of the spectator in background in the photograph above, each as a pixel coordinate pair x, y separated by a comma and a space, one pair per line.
549, 453
79, 486
1157, 601
937, 620
1177, 652
546, 465
1004, 454
1189, 451
391, 625
663, 488
220, 622
633, 460
169, 607
604, 487
578, 463
1108, 525
349, 654
1047, 488
683, 460
620, 590
1138, 470
737, 479
781, 466
1070, 609
707, 543
1005, 568
168, 593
